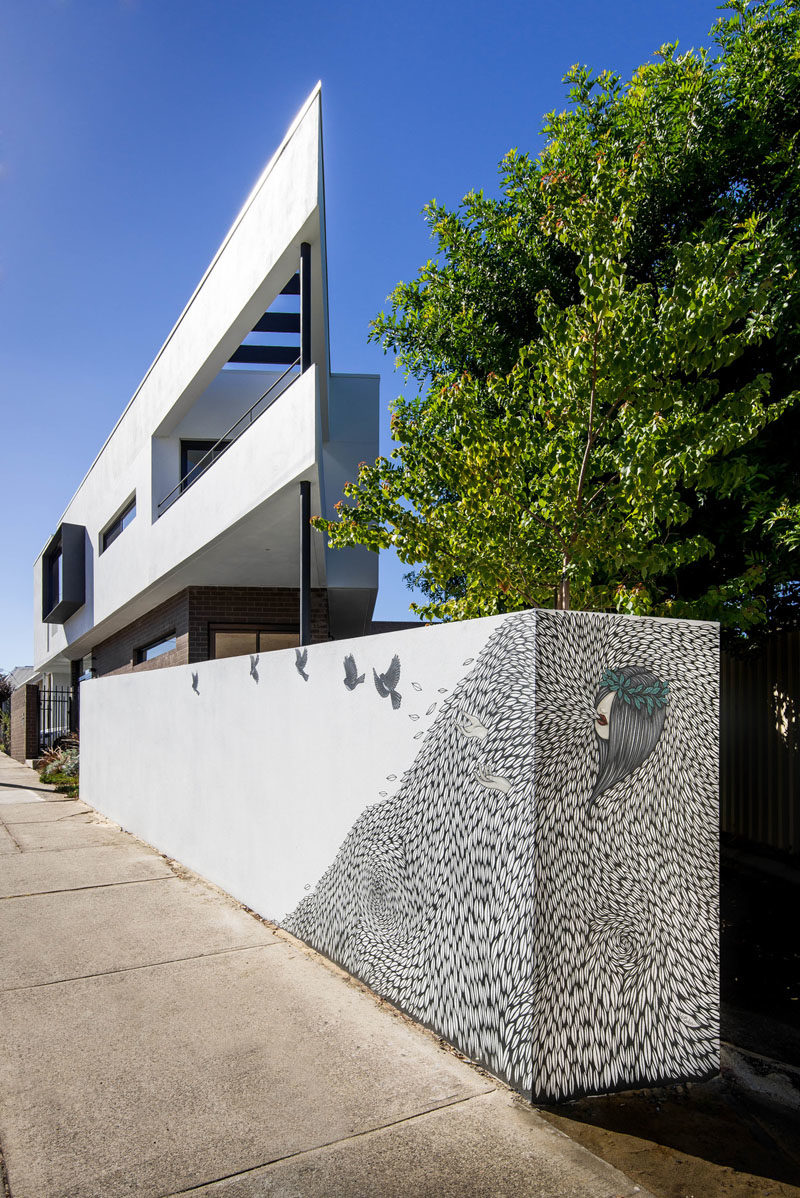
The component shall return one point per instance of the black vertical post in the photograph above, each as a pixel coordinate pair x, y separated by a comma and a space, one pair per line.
305, 306
75, 705
305, 563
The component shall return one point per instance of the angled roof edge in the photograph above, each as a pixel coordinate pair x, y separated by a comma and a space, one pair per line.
314, 95
265, 174
323, 251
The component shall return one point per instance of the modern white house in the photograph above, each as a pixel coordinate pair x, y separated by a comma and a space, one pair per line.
188, 538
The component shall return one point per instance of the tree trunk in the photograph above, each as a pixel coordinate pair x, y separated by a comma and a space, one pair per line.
562, 593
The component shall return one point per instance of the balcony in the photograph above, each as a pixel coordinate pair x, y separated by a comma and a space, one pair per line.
194, 464
291, 322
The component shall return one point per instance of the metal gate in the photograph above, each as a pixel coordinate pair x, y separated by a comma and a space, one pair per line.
55, 715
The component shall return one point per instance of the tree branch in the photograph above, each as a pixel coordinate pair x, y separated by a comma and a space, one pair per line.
590, 434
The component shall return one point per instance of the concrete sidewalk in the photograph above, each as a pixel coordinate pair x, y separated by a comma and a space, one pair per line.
156, 1039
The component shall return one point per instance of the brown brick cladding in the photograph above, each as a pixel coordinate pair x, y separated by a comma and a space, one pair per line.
278, 607
24, 723
190, 613
116, 655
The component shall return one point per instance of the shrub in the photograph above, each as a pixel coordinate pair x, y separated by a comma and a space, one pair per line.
60, 765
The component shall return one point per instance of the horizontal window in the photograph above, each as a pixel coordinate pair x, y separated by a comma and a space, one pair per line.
112, 531
236, 641
155, 648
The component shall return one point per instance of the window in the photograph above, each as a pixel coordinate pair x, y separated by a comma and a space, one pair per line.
196, 457
64, 574
156, 648
238, 640
112, 531
53, 567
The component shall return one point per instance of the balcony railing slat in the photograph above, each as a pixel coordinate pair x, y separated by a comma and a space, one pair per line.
263, 354
278, 322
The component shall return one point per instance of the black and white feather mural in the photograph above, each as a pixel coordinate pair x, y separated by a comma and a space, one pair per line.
541, 890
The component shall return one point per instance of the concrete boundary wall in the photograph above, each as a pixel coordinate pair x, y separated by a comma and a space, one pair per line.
507, 826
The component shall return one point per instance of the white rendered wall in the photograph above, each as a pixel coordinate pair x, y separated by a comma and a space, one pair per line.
507, 827
278, 448
255, 784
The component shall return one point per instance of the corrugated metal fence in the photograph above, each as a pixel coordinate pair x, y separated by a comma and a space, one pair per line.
760, 743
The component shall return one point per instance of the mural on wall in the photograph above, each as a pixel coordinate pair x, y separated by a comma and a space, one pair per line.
300, 662
541, 889
352, 678
628, 719
386, 684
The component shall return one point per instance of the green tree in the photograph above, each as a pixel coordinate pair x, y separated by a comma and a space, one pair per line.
609, 354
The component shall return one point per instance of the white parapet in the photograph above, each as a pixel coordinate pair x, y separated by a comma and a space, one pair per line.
507, 826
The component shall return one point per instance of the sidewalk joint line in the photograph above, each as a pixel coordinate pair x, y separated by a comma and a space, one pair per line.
359, 1135
58, 820
5, 1184
70, 848
104, 973
11, 835
97, 886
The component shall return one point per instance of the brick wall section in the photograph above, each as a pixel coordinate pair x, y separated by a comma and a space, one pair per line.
116, 655
189, 614
257, 606
25, 723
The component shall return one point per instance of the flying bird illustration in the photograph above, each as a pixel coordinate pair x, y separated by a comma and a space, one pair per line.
386, 684
195, 687
300, 663
352, 678
254, 666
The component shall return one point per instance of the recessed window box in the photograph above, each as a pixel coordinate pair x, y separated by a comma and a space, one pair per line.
64, 574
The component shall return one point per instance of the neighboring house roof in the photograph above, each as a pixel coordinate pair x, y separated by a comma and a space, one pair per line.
20, 675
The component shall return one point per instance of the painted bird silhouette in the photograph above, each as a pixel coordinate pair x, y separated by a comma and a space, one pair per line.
386, 684
352, 678
195, 686
300, 662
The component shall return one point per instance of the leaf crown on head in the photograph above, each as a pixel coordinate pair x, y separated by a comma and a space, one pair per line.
637, 694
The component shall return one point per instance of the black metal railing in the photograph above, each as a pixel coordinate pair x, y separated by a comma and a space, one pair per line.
55, 715
227, 439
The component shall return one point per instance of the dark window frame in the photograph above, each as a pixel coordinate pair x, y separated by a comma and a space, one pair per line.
53, 573
64, 574
140, 653
190, 474
120, 522
256, 628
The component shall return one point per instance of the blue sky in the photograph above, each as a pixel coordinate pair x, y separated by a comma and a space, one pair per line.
133, 130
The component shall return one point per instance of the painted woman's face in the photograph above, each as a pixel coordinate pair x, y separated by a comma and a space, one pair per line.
603, 714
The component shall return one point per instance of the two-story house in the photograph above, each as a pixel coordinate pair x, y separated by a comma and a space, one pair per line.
188, 538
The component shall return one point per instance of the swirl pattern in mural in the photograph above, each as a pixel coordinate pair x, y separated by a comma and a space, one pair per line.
554, 919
